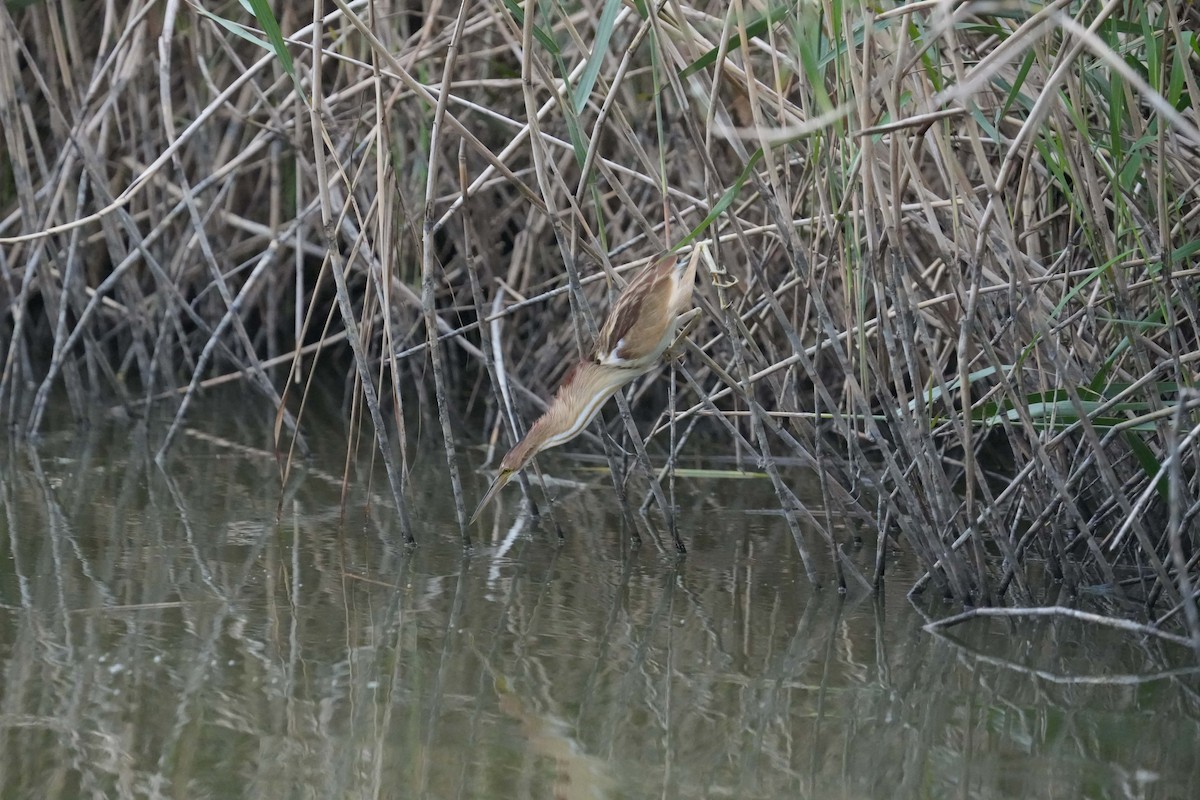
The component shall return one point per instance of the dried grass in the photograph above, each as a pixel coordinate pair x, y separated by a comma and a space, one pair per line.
955, 244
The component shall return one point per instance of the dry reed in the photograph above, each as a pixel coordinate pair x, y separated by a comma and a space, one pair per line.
955, 245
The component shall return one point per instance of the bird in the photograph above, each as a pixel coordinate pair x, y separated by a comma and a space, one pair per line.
641, 326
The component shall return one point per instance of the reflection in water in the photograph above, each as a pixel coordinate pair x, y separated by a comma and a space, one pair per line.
165, 634
576, 774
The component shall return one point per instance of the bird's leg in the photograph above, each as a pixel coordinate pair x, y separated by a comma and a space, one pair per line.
721, 279
685, 322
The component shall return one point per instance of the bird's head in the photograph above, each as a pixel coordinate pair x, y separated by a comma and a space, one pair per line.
512, 463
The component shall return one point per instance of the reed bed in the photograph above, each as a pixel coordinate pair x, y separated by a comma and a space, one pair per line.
954, 248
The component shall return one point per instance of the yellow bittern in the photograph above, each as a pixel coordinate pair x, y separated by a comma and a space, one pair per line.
639, 328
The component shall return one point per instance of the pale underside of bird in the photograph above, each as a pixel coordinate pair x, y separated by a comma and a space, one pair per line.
641, 326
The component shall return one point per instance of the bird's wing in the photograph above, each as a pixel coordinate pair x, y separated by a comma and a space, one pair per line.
634, 330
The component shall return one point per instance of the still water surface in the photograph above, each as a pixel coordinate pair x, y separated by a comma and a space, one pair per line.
199, 632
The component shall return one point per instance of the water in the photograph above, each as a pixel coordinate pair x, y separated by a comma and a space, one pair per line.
199, 632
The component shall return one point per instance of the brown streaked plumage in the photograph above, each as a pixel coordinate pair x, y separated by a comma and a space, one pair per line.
639, 328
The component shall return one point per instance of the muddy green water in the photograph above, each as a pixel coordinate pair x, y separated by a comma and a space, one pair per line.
198, 632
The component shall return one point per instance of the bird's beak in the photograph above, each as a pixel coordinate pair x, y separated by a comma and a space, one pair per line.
501, 480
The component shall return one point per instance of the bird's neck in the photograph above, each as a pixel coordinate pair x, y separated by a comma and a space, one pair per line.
584, 391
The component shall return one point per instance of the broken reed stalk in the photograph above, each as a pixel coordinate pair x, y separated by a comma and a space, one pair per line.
955, 251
